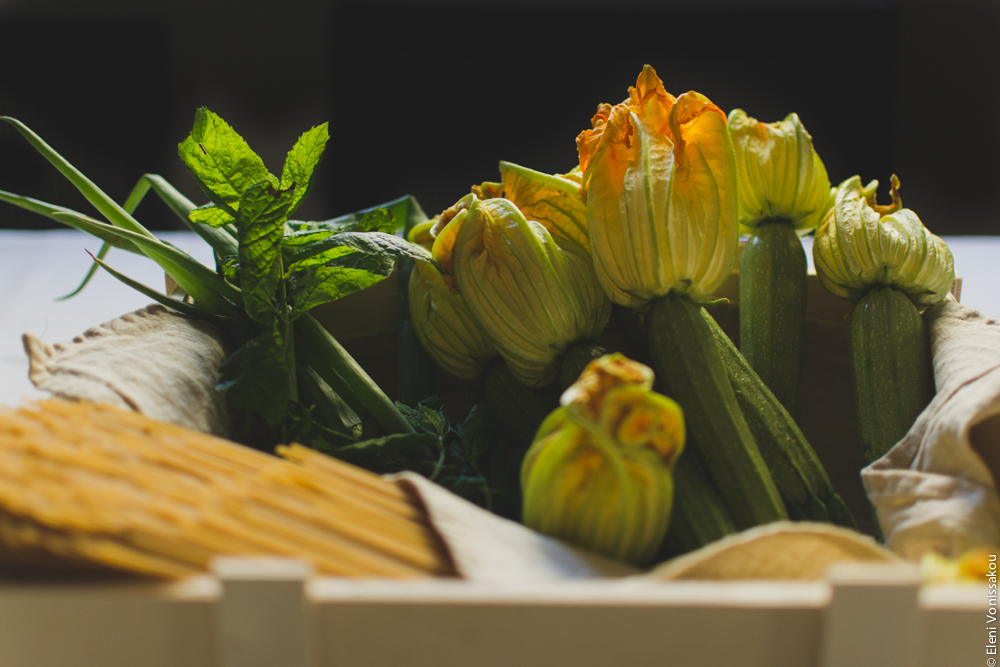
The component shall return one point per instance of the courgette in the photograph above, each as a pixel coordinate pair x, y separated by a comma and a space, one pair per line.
797, 471
699, 516
891, 365
689, 363
522, 409
773, 308
575, 359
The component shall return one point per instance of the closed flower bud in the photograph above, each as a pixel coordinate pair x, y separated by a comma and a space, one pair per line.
441, 321
600, 471
660, 181
532, 291
780, 176
861, 244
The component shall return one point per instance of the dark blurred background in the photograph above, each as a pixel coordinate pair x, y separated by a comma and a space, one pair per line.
426, 97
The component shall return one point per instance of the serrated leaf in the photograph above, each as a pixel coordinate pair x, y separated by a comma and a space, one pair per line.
210, 215
341, 277
221, 161
412, 416
437, 420
372, 243
302, 160
378, 452
260, 227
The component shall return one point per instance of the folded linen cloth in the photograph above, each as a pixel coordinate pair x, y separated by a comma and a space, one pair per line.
154, 360
933, 490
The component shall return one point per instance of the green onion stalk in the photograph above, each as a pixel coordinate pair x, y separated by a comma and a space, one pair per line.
269, 272
783, 192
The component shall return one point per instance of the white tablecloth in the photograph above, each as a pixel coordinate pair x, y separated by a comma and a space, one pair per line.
36, 268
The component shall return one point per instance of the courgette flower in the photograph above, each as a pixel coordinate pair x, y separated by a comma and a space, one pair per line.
531, 288
440, 319
862, 244
779, 173
659, 175
600, 471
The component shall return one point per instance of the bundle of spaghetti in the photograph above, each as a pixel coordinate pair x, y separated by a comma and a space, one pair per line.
97, 484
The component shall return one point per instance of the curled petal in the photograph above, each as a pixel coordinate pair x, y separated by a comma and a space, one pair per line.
856, 249
600, 471
661, 206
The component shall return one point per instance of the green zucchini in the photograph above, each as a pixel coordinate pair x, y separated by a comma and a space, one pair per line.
797, 471
698, 517
522, 409
891, 365
689, 363
575, 359
773, 308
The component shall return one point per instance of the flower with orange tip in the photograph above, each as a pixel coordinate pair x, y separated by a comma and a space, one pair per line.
600, 471
659, 177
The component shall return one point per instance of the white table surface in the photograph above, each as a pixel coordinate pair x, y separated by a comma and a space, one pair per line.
37, 267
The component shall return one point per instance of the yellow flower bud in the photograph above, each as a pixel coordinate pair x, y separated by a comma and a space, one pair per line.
861, 244
600, 471
533, 292
778, 171
660, 180
441, 321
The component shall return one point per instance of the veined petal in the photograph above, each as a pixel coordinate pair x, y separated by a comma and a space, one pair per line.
553, 201
856, 248
779, 172
661, 198
532, 296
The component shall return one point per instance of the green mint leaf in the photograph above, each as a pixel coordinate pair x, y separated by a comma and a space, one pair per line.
345, 275
325, 257
302, 160
211, 215
260, 224
437, 420
255, 377
390, 453
372, 243
221, 161
412, 416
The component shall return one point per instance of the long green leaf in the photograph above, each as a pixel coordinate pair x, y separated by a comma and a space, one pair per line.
102, 253
206, 286
180, 306
104, 232
372, 243
107, 206
223, 243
